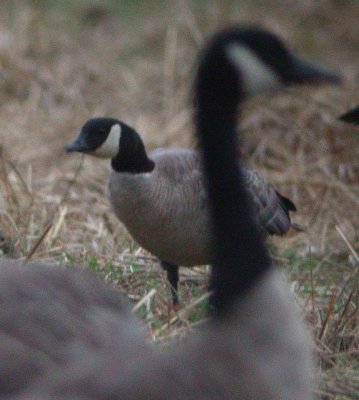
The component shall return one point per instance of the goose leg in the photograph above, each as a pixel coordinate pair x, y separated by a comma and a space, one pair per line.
172, 276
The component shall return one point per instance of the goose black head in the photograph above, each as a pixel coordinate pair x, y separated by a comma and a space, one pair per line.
261, 62
99, 137
111, 138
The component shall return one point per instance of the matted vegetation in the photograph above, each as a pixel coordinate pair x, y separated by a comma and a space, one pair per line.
63, 62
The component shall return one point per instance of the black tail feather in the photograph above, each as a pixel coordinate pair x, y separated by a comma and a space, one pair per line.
287, 204
351, 116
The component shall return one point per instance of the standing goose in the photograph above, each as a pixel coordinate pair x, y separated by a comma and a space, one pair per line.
160, 197
65, 335
351, 116
254, 346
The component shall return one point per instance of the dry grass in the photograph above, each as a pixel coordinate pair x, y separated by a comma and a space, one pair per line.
60, 65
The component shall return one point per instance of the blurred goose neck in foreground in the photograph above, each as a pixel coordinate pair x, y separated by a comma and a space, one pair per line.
220, 91
238, 63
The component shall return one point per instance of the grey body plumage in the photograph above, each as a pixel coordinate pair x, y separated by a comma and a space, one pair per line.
166, 210
50, 315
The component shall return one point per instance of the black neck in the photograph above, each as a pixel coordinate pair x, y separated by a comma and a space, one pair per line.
132, 157
240, 256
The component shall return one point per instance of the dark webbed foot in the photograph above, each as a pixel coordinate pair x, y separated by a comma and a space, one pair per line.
172, 276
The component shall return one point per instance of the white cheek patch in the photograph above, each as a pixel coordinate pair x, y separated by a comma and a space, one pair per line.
256, 75
110, 147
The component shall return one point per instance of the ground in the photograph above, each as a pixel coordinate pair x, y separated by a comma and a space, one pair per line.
63, 62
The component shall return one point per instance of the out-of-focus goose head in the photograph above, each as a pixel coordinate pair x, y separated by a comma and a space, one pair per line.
111, 138
262, 61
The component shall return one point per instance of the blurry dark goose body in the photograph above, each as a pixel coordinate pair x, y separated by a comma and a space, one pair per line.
161, 199
253, 347
351, 116
49, 313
